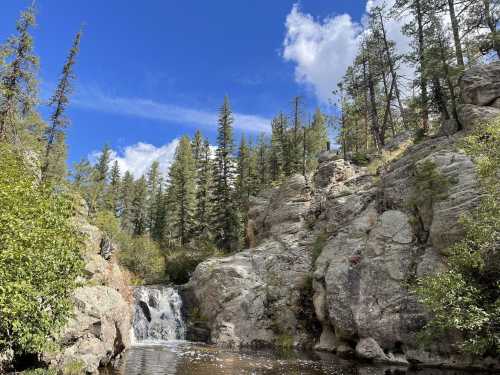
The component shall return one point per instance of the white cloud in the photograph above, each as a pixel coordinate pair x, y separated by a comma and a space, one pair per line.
323, 49
96, 99
138, 158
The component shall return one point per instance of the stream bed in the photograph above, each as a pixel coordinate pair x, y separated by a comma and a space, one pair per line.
186, 358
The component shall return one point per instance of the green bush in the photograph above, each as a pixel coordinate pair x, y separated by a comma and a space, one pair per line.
39, 258
466, 297
40, 371
109, 224
74, 368
143, 257
182, 261
360, 158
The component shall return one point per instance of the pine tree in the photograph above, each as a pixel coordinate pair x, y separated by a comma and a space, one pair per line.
243, 178
113, 191
295, 138
126, 199
54, 134
139, 210
19, 85
419, 9
226, 217
160, 221
197, 147
203, 193
82, 178
278, 147
154, 182
262, 163
182, 190
317, 138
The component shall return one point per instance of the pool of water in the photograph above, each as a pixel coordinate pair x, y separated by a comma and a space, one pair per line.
184, 358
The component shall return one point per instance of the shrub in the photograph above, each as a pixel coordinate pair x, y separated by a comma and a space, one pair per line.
39, 258
143, 257
182, 261
74, 368
40, 371
465, 298
109, 224
360, 158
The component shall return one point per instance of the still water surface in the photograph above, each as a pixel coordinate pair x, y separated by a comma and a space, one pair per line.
184, 358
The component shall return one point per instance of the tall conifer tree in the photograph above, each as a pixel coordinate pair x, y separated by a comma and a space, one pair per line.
226, 217
54, 134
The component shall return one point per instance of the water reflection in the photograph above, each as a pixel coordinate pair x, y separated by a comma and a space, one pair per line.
182, 358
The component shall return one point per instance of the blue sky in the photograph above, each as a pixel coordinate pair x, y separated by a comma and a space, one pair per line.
150, 71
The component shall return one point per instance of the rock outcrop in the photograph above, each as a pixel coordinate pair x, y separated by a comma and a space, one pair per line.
99, 329
480, 87
262, 296
350, 244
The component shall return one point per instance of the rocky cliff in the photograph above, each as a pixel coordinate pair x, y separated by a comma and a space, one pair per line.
336, 252
99, 329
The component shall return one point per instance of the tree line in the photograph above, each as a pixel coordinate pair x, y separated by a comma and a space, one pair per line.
205, 196
378, 102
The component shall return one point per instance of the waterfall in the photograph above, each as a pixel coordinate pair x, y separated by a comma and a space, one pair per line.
157, 315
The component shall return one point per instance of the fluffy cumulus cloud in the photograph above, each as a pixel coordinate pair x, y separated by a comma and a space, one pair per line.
323, 49
138, 158
95, 99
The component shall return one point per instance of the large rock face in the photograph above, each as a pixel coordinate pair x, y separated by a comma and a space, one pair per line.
99, 329
262, 296
362, 240
480, 93
481, 85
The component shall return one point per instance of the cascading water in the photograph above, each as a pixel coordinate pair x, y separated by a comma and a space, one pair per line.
157, 315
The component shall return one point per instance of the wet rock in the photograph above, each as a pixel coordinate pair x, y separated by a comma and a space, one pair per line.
369, 349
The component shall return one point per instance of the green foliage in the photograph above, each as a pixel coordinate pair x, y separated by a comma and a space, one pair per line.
466, 297
142, 256
41, 371
430, 185
74, 368
109, 224
360, 158
226, 217
182, 191
284, 342
39, 261
182, 261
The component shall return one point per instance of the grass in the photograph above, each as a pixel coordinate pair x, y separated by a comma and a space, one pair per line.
284, 342
387, 157
74, 368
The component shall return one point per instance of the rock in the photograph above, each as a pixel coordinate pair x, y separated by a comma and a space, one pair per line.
448, 127
198, 332
463, 195
333, 169
471, 115
481, 84
107, 247
373, 242
254, 297
258, 296
328, 156
6, 358
99, 330
368, 348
